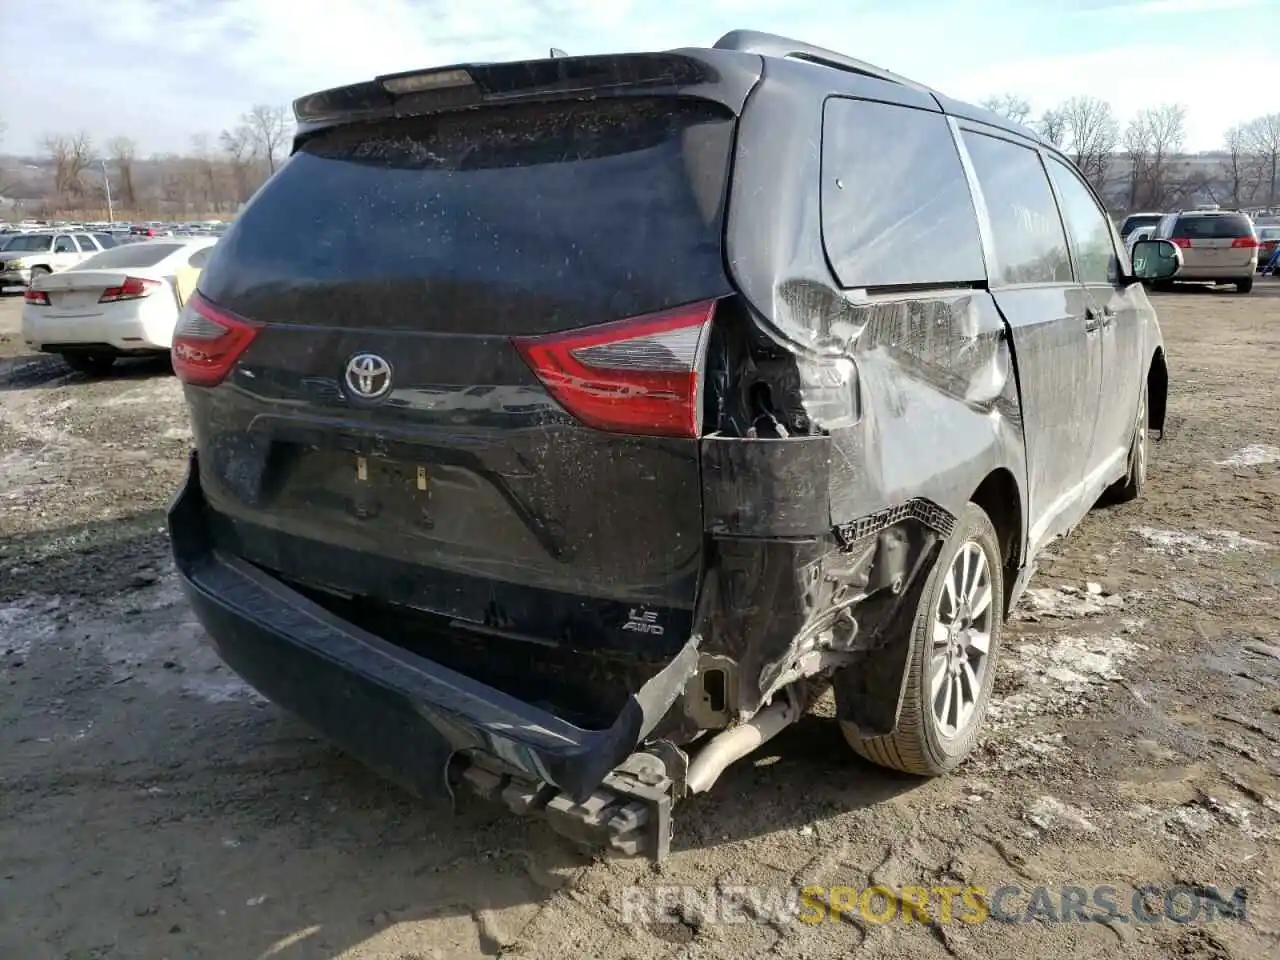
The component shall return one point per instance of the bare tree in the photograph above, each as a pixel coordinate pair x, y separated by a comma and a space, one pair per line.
1091, 133
1053, 127
124, 151
237, 144
1137, 148
268, 127
206, 172
1166, 130
71, 155
1264, 140
1009, 105
1240, 167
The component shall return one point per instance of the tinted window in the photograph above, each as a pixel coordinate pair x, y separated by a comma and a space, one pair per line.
896, 208
1089, 227
131, 255
30, 243
105, 240
64, 245
1213, 227
1031, 246
507, 220
85, 243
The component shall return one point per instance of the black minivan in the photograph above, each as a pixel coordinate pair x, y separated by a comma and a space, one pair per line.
592, 416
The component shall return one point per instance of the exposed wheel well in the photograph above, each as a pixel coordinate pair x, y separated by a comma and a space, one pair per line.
998, 496
1157, 391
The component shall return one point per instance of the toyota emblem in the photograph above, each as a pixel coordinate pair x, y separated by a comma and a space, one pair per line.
368, 377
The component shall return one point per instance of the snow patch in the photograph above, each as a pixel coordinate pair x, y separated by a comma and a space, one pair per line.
1184, 542
1059, 676
1254, 455
1068, 602
26, 622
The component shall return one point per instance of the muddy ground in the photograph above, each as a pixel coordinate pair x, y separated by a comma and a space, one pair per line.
152, 806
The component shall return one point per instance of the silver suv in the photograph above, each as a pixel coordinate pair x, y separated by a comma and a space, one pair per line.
1218, 246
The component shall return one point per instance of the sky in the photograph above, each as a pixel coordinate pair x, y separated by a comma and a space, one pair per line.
160, 71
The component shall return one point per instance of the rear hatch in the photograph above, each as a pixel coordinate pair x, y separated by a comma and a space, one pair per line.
468, 416
1218, 240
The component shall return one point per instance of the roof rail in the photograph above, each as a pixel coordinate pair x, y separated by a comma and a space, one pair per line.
772, 45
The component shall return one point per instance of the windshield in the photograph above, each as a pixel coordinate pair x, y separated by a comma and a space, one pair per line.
29, 243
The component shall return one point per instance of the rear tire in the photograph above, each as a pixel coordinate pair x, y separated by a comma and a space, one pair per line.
90, 363
1130, 486
1244, 286
961, 612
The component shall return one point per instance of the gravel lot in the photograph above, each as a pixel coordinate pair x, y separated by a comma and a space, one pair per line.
152, 806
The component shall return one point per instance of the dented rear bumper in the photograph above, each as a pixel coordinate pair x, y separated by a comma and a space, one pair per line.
399, 713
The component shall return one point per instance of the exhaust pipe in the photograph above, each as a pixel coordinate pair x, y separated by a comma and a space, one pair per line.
730, 746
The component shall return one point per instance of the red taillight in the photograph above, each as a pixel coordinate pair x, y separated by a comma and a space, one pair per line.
208, 341
1247, 243
133, 288
1181, 241
637, 376
37, 297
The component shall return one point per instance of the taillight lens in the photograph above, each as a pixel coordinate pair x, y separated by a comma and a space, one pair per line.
208, 341
1181, 241
637, 376
133, 288
37, 297
1247, 243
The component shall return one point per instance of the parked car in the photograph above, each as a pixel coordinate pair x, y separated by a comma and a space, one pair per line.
811, 367
122, 302
1218, 246
1268, 241
1135, 220
30, 255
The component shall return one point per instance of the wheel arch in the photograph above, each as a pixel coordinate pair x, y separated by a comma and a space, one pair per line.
999, 497
1157, 391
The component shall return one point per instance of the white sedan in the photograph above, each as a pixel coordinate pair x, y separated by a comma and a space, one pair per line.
121, 302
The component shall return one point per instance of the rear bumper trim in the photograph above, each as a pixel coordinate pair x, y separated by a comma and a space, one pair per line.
385, 705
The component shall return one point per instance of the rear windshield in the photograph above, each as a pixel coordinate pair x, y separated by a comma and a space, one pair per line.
1139, 220
1216, 227
1269, 233
29, 243
130, 255
508, 220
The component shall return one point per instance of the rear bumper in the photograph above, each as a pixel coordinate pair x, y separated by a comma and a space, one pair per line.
1208, 274
399, 713
121, 335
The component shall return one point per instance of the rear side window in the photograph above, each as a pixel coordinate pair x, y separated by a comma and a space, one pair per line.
513, 220
1223, 226
64, 245
1138, 220
896, 208
129, 255
1031, 246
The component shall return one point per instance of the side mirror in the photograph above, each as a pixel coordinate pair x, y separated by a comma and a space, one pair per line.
1155, 259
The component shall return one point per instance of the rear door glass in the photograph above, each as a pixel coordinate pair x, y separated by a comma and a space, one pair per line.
132, 255
511, 220
1223, 227
896, 208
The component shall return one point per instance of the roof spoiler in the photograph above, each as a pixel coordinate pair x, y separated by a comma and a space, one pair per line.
707, 73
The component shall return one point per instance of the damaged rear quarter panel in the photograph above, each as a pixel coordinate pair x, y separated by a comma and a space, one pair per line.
925, 409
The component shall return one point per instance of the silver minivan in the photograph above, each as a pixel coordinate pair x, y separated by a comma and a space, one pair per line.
1218, 246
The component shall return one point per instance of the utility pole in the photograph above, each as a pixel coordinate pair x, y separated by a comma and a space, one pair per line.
106, 182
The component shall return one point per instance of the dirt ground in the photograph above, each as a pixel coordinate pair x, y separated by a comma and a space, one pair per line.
152, 806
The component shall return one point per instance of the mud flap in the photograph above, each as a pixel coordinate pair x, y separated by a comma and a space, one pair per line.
869, 693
